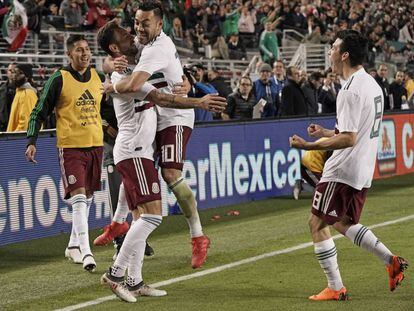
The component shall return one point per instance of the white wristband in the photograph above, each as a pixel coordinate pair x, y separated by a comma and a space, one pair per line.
114, 86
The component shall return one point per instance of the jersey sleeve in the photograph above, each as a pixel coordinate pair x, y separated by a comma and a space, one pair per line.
152, 60
44, 107
349, 108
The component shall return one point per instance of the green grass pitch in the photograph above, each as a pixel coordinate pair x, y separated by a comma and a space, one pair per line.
36, 276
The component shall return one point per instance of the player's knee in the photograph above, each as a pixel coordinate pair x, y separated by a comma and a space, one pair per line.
170, 175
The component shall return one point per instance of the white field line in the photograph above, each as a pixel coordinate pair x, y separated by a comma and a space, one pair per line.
227, 266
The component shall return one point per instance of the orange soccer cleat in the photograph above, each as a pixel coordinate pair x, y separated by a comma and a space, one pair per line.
396, 271
110, 233
330, 294
200, 246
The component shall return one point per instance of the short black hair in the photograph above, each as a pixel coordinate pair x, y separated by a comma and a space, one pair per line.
152, 5
105, 36
355, 44
315, 76
70, 42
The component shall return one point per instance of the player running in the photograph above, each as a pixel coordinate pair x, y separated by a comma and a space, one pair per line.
340, 195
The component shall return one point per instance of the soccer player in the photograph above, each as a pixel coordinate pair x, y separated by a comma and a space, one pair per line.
340, 195
74, 92
159, 59
134, 159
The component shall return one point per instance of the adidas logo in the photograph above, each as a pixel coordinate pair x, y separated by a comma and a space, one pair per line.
333, 213
86, 99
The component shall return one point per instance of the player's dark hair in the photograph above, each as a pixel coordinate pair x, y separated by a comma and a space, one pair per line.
152, 5
106, 35
70, 42
355, 44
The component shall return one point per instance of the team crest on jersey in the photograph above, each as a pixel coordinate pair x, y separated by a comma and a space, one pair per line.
71, 179
155, 188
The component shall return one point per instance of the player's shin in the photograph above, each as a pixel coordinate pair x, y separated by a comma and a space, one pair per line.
186, 201
365, 238
325, 252
80, 222
133, 247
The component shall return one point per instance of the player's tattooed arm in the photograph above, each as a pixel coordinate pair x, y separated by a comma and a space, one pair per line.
209, 102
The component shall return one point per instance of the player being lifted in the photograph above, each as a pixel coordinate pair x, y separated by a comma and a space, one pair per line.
134, 159
160, 60
340, 195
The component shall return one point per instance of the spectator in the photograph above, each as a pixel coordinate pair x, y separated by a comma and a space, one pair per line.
311, 91
24, 100
196, 74
73, 13
303, 76
199, 39
268, 45
382, 79
236, 47
34, 10
219, 83
328, 93
398, 93
230, 24
293, 100
98, 15
279, 77
265, 88
373, 72
246, 26
240, 104
296, 20
53, 19
7, 92
194, 15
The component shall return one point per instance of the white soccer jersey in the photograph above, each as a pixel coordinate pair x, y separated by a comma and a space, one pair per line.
136, 124
359, 108
160, 59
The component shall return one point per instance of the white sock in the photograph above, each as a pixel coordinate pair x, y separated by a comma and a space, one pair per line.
80, 222
132, 251
73, 240
88, 203
122, 210
325, 252
194, 224
365, 238
188, 205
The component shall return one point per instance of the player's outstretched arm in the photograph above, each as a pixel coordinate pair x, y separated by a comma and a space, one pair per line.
209, 102
317, 131
341, 141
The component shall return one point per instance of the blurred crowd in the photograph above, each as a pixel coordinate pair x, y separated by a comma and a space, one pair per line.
227, 29
278, 92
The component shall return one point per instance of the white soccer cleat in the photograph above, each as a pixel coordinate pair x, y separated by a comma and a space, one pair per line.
117, 286
143, 289
73, 254
89, 263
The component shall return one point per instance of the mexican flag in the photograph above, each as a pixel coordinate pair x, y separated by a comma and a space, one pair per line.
14, 28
